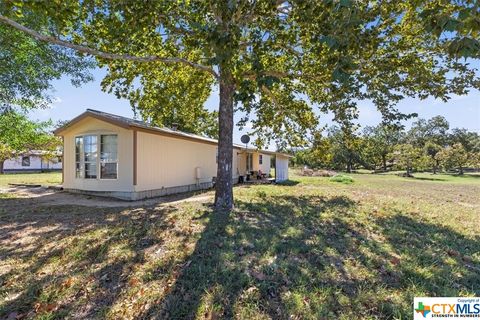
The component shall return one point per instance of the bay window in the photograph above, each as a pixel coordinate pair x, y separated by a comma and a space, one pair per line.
93, 160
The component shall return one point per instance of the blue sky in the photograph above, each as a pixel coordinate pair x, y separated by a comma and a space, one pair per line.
460, 111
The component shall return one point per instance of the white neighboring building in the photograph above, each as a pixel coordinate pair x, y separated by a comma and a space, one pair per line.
33, 161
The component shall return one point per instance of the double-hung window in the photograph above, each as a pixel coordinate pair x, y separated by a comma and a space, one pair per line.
90, 156
78, 157
108, 156
96, 156
260, 159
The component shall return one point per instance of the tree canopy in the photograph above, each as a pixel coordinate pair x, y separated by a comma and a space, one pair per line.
274, 61
383, 148
27, 68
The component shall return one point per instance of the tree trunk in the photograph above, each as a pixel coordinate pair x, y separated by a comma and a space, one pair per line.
435, 166
349, 167
384, 162
1, 166
460, 172
224, 186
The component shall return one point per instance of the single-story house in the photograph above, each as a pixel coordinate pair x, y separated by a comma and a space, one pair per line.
34, 161
110, 155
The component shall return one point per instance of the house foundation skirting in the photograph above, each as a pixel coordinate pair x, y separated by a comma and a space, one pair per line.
139, 195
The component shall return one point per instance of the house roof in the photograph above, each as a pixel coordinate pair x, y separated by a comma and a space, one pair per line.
39, 153
129, 123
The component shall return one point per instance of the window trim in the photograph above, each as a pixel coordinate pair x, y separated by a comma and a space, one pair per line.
260, 159
98, 160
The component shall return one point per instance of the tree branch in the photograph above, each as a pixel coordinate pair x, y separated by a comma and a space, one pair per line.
101, 54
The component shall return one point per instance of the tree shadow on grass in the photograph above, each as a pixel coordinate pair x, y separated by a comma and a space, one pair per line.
278, 257
288, 183
439, 260
315, 257
428, 179
71, 260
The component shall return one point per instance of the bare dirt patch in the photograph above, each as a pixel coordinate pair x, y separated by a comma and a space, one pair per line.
52, 197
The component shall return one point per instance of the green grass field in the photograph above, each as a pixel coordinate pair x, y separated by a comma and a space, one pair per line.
311, 248
50, 178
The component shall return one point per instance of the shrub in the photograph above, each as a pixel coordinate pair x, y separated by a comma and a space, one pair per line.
342, 179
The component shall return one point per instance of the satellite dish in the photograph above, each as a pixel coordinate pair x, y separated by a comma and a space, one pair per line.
245, 139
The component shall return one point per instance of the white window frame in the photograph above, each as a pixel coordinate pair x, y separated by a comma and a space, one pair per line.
98, 157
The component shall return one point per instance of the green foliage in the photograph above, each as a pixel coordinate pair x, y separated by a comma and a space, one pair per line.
378, 142
345, 147
433, 130
342, 179
432, 150
18, 135
166, 96
387, 146
275, 54
318, 156
453, 157
28, 67
407, 157
468, 139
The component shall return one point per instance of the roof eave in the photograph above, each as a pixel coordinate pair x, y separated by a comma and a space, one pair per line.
86, 114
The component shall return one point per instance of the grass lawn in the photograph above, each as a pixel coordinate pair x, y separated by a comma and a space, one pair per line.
50, 178
310, 249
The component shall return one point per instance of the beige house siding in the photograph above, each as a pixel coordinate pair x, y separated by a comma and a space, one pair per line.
124, 182
265, 166
164, 162
241, 162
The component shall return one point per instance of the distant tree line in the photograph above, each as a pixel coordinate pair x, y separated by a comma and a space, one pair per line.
427, 145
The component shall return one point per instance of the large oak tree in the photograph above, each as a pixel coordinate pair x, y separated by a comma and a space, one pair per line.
274, 60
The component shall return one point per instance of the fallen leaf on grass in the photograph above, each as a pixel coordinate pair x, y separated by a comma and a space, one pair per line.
453, 253
133, 282
67, 283
258, 275
45, 307
395, 261
251, 289
211, 315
